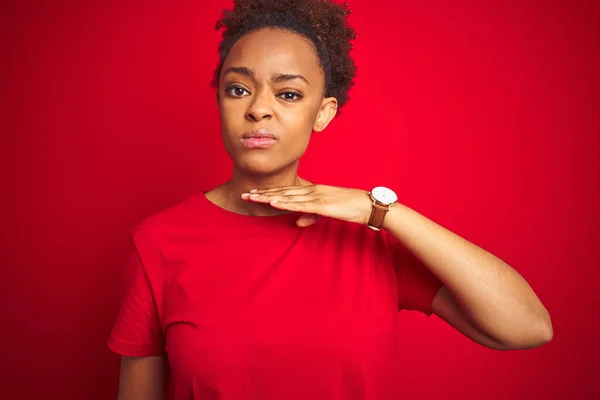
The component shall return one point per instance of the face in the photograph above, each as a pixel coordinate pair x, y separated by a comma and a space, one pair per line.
271, 99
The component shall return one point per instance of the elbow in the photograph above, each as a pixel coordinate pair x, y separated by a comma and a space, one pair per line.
541, 334
546, 332
541, 337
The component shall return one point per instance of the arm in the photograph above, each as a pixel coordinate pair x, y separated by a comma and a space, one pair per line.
142, 378
482, 297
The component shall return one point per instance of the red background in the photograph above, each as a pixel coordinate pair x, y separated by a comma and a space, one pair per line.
482, 115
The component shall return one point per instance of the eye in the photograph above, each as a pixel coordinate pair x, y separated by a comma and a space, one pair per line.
236, 91
290, 96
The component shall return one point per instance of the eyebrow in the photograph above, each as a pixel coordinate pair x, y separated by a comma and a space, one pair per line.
277, 78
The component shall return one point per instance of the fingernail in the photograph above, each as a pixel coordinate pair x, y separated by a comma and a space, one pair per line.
255, 195
254, 191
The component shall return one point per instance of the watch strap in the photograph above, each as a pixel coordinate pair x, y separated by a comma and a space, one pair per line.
378, 214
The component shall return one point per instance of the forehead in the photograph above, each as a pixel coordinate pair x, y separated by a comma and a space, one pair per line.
268, 51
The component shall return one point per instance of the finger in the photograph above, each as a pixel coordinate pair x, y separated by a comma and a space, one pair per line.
285, 189
268, 197
310, 207
307, 220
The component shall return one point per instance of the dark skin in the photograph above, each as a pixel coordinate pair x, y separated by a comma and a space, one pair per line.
482, 297
271, 79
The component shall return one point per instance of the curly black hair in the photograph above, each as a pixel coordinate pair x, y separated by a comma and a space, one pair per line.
324, 22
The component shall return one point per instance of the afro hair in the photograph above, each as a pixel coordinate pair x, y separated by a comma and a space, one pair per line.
323, 22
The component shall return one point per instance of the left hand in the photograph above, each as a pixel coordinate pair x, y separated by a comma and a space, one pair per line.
352, 205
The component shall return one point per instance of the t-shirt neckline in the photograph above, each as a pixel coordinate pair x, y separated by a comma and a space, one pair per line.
221, 212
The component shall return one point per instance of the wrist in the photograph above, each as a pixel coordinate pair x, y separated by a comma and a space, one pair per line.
382, 202
392, 216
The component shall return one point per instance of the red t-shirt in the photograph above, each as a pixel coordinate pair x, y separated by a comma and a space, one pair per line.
257, 308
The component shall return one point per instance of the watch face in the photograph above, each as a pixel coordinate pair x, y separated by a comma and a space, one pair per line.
384, 195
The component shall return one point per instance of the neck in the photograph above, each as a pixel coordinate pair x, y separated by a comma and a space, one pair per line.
242, 182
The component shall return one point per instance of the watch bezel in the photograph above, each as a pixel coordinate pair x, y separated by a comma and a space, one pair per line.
377, 189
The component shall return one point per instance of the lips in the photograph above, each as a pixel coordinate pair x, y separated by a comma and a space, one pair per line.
258, 139
259, 133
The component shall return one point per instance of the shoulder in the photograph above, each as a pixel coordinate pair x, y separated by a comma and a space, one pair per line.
172, 220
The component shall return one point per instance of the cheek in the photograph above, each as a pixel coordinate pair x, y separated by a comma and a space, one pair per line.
299, 120
229, 111
232, 118
298, 128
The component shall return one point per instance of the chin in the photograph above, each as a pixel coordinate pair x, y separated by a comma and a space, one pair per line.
258, 167
261, 164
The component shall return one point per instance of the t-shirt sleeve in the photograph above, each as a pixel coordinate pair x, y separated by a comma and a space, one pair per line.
417, 285
137, 331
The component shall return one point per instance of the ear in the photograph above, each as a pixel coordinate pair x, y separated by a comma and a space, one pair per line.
326, 113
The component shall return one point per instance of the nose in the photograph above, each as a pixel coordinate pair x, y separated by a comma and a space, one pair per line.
260, 108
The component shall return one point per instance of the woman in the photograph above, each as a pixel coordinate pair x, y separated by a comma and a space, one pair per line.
272, 287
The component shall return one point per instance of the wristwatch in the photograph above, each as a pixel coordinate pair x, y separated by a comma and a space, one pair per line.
383, 199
